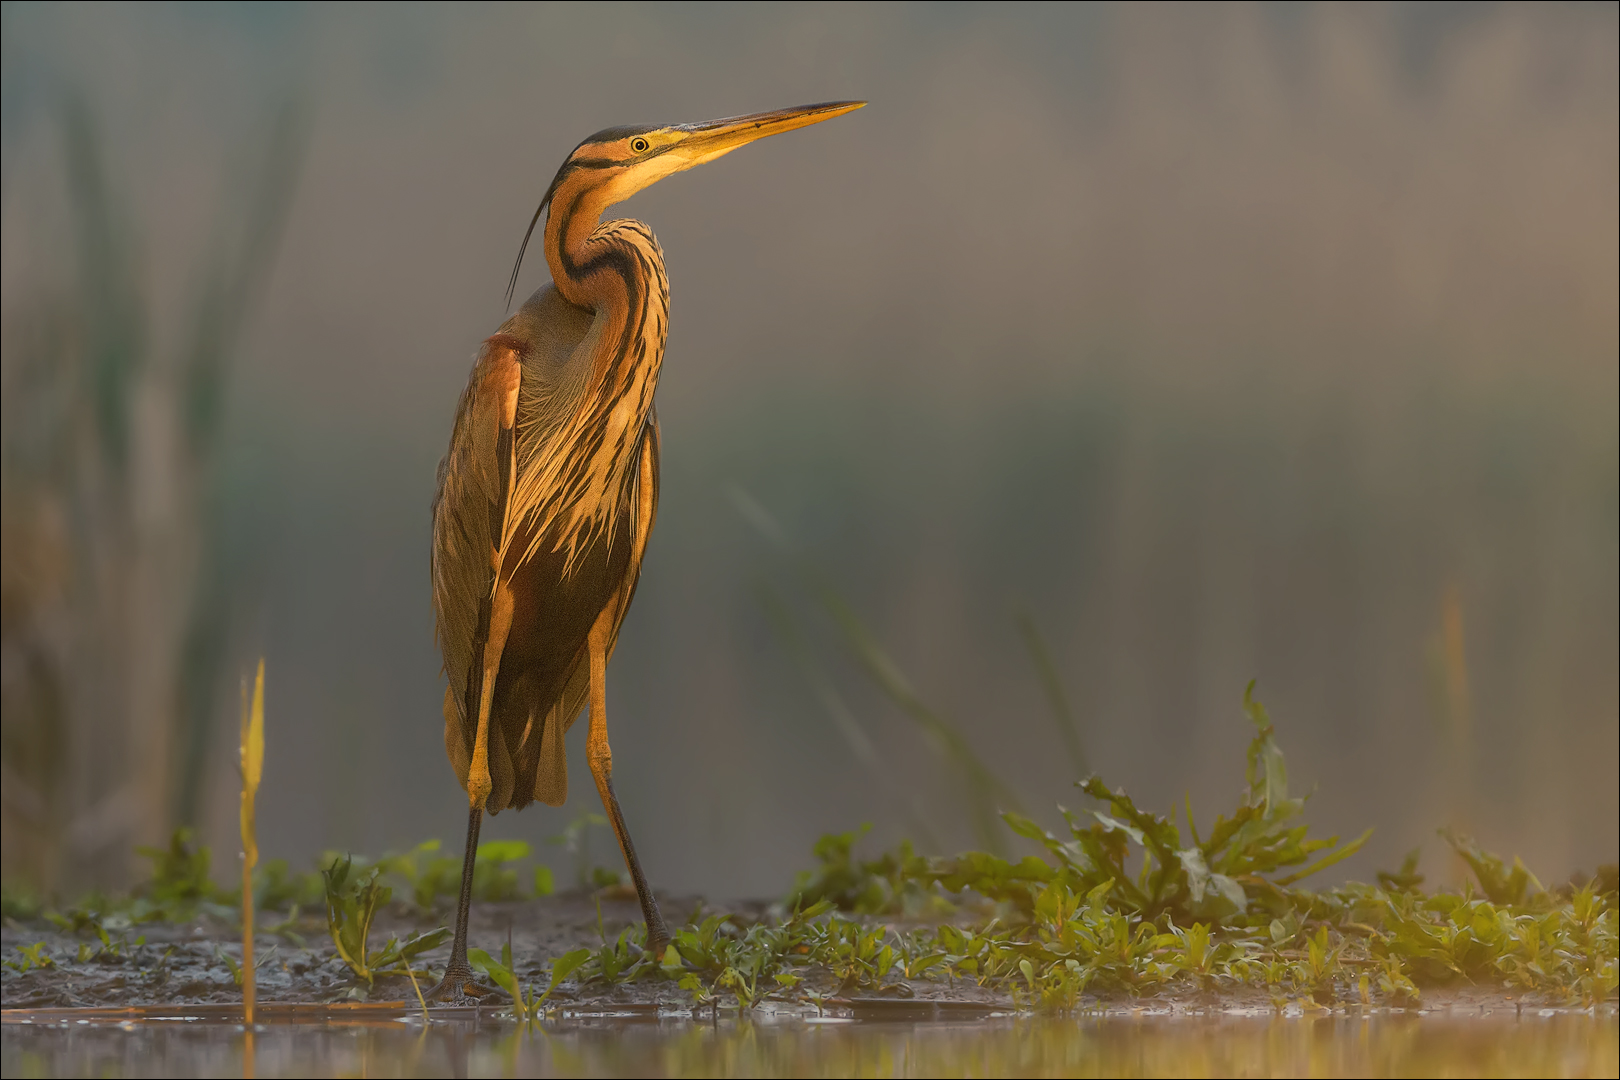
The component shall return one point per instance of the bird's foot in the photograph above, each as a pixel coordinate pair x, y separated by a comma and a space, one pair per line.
457, 987
658, 939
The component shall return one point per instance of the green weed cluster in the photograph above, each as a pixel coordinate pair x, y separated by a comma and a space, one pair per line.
1224, 910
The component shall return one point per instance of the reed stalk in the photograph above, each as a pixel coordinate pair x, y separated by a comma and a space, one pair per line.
252, 769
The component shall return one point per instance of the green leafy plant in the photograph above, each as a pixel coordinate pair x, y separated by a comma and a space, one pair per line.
1407, 878
1502, 884
526, 1006
237, 968
32, 957
894, 881
1208, 879
351, 905
180, 886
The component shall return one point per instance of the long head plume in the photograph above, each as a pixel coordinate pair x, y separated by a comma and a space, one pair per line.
622, 161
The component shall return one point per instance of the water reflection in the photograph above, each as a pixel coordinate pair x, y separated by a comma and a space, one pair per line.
1380, 1045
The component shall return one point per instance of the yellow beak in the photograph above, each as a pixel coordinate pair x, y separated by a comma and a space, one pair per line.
711, 139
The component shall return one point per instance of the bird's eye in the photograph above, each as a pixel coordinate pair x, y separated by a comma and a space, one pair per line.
639, 145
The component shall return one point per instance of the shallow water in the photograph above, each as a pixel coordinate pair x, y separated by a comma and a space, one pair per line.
379, 1044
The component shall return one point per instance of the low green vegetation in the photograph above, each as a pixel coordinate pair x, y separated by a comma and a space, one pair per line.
351, 891
424, 881
1121, 902
1220, 910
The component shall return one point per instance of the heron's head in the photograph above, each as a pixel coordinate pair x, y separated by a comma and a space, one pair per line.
614, 164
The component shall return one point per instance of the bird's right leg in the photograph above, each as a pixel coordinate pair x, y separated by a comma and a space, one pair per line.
600, 756
458, 974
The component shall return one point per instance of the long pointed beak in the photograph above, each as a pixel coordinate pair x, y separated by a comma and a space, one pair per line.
712, 138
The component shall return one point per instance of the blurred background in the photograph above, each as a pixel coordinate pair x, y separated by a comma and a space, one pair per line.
1211, 342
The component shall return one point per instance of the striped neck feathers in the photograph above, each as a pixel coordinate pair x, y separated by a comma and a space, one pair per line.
574, 482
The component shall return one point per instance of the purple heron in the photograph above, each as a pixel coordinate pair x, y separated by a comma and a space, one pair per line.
548, 492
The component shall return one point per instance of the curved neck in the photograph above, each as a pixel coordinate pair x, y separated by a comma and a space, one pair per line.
615, 270
580, 272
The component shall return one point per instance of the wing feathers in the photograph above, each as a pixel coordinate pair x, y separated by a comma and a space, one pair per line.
469, 516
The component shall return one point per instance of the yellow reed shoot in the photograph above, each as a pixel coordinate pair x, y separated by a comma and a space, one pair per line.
252, 769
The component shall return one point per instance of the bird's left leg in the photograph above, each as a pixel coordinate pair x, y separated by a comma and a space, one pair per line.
458, 974
600, 756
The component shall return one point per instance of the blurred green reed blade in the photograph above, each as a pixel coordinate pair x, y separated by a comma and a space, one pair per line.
110, 315
244, 249
236, 272
832, 703
888, 676
1062, 716
983, 786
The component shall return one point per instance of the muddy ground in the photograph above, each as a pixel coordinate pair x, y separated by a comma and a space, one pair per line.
186, 963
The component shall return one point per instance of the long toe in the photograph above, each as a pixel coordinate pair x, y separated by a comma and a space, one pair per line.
457, 987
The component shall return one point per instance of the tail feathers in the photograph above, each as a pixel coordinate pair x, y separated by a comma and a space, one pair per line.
527, 756
551, 775
501, 773
551, 772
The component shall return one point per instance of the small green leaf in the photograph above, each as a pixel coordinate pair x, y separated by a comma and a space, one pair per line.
1327, 860
1024, 827
500, 974
564, 966
230, 962
1110, 823
503, 851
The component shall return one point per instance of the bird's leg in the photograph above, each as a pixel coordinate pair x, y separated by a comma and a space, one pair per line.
600, 755
458, 974
500, 624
